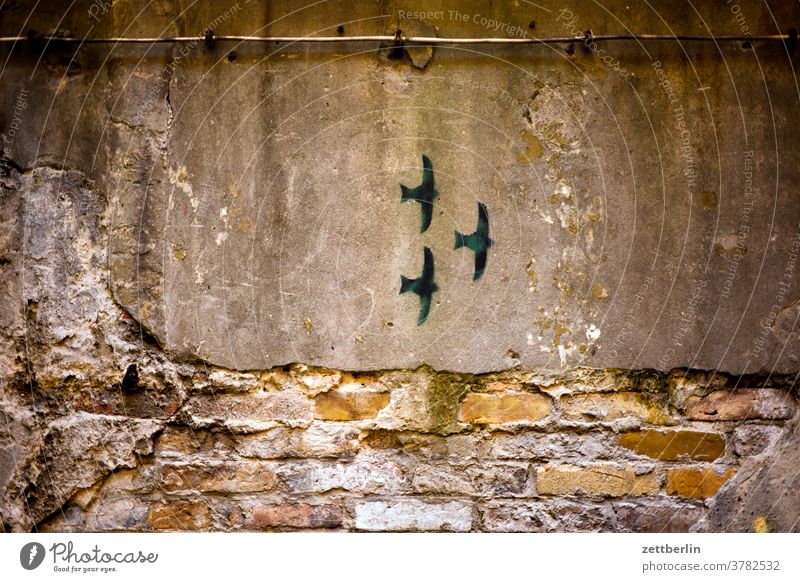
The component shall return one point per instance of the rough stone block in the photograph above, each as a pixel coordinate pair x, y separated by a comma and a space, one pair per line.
675, 445
179, 516
329, 440
656, 517
462, 447
231, 381
177, 441
441, 480
501, 479
500, 386
319, 440
515, 517
497, 408
361, 476
129, 482
547, 517
317, 380
118, 515
277, 443
264, 407
241, 477
544, 447
581, 517
608, 407
749, 440
413, 515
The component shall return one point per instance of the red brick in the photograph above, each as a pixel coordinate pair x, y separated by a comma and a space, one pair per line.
742, 404
656, 517
300, 516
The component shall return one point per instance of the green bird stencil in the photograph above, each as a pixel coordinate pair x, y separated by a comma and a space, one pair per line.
478, 241
425, 193
424, 286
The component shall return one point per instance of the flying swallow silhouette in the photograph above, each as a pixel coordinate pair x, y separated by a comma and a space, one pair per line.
478, 241
424, 193
425, 287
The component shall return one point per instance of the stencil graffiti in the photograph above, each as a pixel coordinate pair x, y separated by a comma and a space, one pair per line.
478, 241
424, 286
425, 193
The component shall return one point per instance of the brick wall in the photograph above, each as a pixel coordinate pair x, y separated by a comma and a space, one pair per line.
298, 448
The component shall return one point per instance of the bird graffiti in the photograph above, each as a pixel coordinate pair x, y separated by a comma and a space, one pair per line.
425, 193
424, 286
478, 241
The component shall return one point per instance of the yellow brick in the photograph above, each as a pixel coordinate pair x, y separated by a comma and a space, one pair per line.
675, 445
502, 407
696, 483
597, 480
339, 405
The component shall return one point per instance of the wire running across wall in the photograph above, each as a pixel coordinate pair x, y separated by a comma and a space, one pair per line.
398, 39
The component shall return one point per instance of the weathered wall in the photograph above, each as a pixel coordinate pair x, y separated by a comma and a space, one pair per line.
228, 220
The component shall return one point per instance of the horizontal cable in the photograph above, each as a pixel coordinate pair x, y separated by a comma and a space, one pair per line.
400, 40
